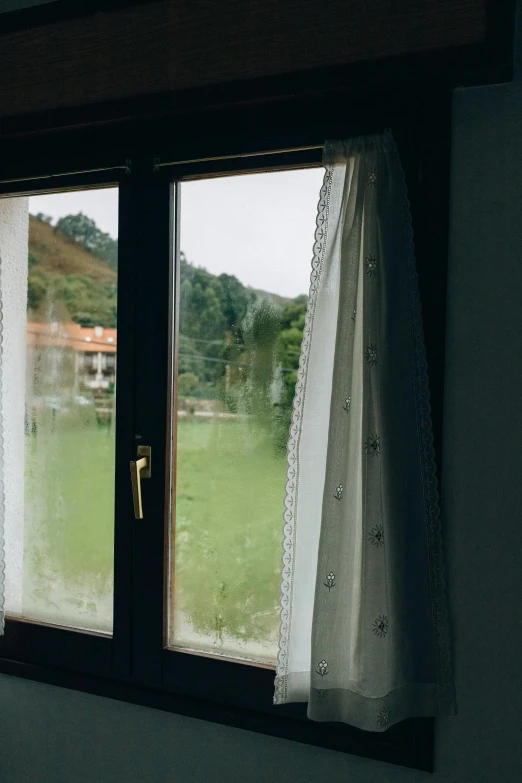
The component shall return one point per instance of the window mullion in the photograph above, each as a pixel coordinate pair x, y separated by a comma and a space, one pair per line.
125, 408
153, 265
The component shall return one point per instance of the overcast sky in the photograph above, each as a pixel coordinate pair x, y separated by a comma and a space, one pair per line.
258, 227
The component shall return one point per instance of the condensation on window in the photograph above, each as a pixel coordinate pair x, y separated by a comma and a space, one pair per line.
244, 281
59, 294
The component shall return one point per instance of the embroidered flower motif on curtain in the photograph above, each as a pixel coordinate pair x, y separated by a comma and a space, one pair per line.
376, 535
330, 581
384, 718
371, 355
372, 446
371, 265
380, 626
322, 668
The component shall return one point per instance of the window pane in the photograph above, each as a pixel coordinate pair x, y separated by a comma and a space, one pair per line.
245, 264
59, 354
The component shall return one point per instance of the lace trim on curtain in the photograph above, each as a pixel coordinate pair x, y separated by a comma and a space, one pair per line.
2, 496
290, 503
439, 603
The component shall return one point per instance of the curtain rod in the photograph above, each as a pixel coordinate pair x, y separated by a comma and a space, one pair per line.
159, 165
126, 168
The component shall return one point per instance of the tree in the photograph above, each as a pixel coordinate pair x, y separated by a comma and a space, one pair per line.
235, 300
294, 312
37, 285
260, 357
89, 303
44, 218
187, 383
240, 346
84, 231
290, 339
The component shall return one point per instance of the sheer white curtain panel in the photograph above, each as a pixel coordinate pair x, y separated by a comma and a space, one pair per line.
364, 629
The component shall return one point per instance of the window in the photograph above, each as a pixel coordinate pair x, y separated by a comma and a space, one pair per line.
242, 302
60, 540
199, 283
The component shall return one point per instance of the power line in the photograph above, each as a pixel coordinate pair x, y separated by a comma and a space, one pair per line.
223, 361
199, 340
206, 358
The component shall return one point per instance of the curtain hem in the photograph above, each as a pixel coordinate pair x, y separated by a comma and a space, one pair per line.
292, 474
415, 700
2, 496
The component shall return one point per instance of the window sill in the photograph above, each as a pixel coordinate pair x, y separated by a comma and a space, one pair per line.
409, 744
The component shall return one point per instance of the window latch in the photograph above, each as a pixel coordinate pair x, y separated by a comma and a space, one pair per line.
139, 469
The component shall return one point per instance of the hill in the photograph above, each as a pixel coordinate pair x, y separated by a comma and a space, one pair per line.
236, 343
63, 275
277, 301
84, 285
56, 254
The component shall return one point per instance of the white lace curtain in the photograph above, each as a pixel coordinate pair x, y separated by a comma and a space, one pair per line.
2, 503
364, 634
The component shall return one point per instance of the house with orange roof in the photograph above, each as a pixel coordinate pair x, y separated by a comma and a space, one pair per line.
90, 350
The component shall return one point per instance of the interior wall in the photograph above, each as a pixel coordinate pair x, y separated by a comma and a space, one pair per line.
50, 734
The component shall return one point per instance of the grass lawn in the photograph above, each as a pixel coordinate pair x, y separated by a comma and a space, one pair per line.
69, 521
230, 489
229, 504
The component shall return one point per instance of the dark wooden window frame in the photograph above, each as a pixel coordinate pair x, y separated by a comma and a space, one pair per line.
134, 665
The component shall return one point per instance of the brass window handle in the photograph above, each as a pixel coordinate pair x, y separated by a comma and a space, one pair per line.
139, 469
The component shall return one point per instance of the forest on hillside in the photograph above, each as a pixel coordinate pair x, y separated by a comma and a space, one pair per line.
85, 278
235, 344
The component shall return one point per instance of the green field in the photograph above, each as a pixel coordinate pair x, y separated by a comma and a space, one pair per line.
69, 513
229, 504
230, 487
238, 358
